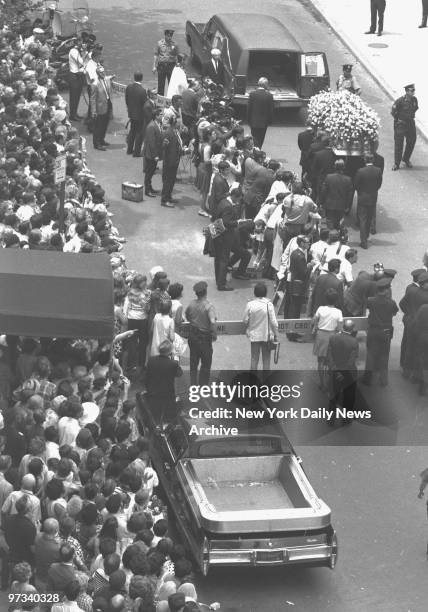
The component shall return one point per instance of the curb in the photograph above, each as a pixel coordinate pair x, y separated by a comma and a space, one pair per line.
388, 90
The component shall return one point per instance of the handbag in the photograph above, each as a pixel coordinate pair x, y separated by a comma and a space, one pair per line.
216, 228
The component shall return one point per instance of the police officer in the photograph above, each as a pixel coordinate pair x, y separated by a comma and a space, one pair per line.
347, 81
403, 110
382, 309
165, 59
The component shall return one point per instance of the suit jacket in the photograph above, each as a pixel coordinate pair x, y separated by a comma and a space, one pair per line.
304, 141
263, 179
171, 148
322, 284
379, 161
161, 372
219, 190
190, 103
367, 182
208, 71
152, 145
299, 266
337, 192
135, 99
342, 352
100, 96
260, 108
322, 164
148, 111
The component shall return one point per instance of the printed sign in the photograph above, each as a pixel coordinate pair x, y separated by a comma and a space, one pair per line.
60, 168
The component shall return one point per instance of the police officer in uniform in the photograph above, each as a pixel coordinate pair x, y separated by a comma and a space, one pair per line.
347, 81
165, 59
403, 110
382, 309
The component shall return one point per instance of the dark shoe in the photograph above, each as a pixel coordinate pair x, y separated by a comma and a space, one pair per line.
364, 245
379, 33
100, 148
167, 204
149, 194
155, 191
408, 163
240, 275
423, 25
395, 167
225, 288
129, 152
105, 144
369, 32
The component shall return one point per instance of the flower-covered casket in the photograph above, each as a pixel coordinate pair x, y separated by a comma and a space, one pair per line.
353, 126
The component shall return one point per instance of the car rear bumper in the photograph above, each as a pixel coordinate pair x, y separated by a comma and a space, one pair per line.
313, 555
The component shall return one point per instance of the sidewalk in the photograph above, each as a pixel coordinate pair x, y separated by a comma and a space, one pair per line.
394, 59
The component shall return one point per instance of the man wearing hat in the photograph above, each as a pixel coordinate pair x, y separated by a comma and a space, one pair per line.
377, 10
165, 59
347, 81
162, 371
101, 108
214, 69
404, 110
367, 182
382, 309
202, 318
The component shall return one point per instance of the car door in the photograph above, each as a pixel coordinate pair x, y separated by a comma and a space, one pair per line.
314, 75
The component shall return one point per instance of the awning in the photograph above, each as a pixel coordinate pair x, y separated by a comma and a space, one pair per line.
54, 294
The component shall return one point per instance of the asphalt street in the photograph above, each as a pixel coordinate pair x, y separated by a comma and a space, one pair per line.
371, 489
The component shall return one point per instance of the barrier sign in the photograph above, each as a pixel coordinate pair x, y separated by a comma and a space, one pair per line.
285, 326
60, 168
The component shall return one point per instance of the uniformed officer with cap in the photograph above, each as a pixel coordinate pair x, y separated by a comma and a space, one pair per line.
202, 317
382, 309
165, 59
404, 110
347, 81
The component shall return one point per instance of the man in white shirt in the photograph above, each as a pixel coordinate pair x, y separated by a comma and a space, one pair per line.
345, 273
262, 326
76, 64
335, 250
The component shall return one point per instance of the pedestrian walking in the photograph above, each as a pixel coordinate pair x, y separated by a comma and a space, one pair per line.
347, 81
201, 316
424, 14
404, 110
342, 355
377, 10
135, 98
165, 59
322, 161
171, 153
367, 182
152, 151
336, 195
261, 327
101, 108
326, 322
260, 111
382, 309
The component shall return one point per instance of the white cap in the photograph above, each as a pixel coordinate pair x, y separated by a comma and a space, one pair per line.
215, 52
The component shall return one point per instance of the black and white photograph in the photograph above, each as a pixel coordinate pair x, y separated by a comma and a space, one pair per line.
213, 306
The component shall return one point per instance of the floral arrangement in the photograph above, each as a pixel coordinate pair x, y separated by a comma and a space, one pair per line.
344, 116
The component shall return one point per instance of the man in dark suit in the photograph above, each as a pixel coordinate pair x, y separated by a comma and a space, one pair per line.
377, 10
260, 111
63, 572
171, 153
325, 282
367, 182
342, 355
219, 188
135, 98
214, 69
152, 151
162, 371
336, 195
322, 164
299, 275
304, 141
223, 243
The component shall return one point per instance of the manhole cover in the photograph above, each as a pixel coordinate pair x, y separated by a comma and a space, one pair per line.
378, 45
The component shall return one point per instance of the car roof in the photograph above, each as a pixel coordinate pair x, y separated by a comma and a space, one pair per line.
256, 31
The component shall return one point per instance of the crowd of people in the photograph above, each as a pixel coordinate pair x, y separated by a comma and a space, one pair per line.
82, 527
